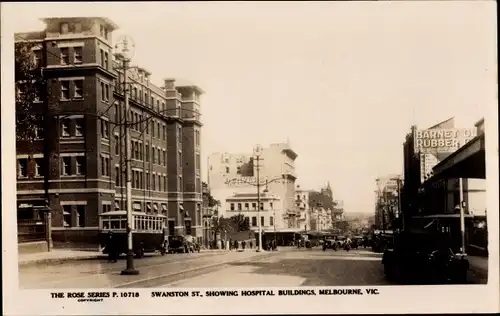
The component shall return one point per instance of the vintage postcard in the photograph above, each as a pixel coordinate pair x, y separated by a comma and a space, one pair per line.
249, 157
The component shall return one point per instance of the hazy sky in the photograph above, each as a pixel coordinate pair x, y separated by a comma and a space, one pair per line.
343, 81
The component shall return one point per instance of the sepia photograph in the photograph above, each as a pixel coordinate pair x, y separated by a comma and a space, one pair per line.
249, 149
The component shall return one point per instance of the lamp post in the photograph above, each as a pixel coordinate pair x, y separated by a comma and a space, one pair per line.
126, 44
266, 190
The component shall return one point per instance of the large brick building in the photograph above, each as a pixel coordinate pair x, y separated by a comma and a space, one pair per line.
86, 148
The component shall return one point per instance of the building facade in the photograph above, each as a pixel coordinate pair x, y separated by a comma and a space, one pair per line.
302, 204
246, 204
229, 174
84, 141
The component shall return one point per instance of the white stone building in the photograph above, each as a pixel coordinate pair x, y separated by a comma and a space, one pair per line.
246, 204
230, 174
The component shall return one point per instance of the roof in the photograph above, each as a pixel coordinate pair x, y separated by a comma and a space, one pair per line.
110, 24
252, 196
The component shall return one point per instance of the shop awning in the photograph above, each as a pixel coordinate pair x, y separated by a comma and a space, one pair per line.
467, 162
155, 207
181, 207
117, 205
164, 207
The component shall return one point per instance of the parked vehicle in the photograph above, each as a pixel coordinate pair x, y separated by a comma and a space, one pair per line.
147, 229
177, 244
330, 244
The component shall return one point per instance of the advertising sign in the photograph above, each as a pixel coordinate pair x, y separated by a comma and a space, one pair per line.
435, 141
243, 181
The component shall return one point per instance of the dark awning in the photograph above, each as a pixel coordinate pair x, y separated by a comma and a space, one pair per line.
467, 162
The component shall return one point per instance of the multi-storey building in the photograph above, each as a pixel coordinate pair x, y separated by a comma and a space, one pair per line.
230, 174
246, 204
84, 140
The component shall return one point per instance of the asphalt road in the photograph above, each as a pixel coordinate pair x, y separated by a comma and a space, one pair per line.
286, 267
306, 267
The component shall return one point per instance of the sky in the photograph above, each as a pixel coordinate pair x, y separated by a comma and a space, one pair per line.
343, 81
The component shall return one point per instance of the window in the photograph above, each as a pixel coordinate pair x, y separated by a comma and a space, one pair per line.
271, 205
117, 145
39, 171
232, 206
80, 212
78, 27
227, 169
158, 130
246, 206
79, 127
78, 93
80, 165
239, 206
64, 28
77, 55
104, 128
102, 57
66, 166
136, 151
164, 158
38, 57
157, 105
254, 206
153, 182
23, 168
197, 137
261, 206
104, 166
103, 91
271, 221
65, 128
262, 221
117, 175
137, 180
64, 56
165, 183
152, 101
64, 90
159, 156
254, 221
153, 154
147, 152
164, 132
160, 182
238, 170
67, 215
106, 60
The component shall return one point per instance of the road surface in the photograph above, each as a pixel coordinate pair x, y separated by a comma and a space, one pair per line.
286, 267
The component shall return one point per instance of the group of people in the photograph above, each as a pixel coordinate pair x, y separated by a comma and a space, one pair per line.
235, 244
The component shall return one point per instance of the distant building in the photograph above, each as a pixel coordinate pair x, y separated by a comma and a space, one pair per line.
302, 204
231, 174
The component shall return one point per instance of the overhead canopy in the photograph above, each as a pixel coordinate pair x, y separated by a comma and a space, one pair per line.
467, 162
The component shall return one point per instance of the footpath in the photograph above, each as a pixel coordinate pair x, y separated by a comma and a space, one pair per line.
65, 255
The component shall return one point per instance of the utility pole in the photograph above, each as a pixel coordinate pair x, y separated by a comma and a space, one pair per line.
462, 216
130, 270
257, 153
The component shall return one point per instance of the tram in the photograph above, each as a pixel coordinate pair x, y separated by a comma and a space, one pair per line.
149, 232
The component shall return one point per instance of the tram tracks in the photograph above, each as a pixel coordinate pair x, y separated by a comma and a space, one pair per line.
167, 279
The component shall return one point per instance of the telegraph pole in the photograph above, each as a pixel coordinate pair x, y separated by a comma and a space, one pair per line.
130, 270
257, 153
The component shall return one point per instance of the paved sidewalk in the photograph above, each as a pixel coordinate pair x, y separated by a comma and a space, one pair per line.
58, 255
64, 255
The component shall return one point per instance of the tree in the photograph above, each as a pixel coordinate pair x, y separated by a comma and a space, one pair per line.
30, 88
240, 223
221, 225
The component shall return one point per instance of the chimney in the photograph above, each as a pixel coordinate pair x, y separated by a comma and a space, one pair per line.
169, 84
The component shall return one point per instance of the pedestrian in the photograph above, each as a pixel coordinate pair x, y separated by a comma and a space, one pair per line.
236, 245
111, 247
251, 244
230, 244
243, 244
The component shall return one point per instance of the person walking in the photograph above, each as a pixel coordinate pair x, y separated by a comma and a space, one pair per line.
251, 244
111, 247
243, 244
